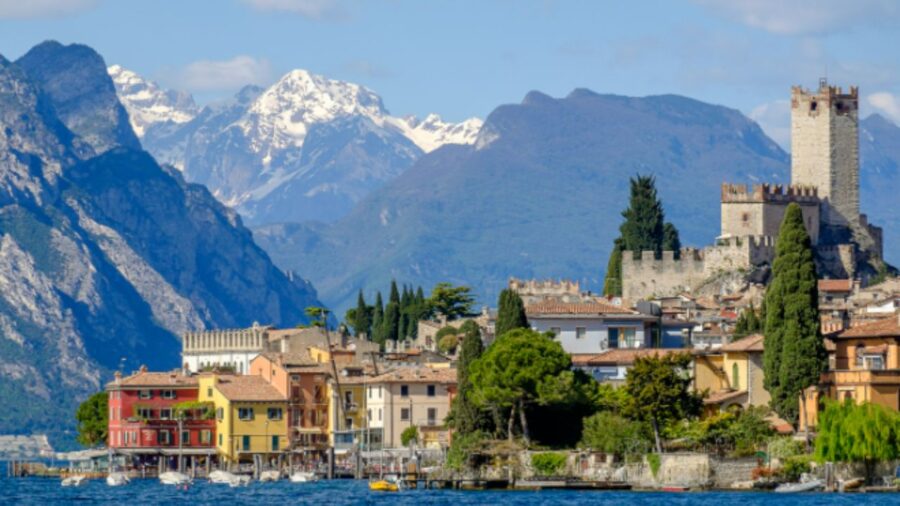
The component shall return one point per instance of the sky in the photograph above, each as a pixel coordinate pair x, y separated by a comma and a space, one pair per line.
461, 58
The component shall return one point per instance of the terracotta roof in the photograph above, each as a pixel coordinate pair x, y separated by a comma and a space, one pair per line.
247, 388
829, 345
291, 358
417, 375
576, 308
879, 349
627, 356
886, 327
174, 379
724, 396
750, 343
835, 285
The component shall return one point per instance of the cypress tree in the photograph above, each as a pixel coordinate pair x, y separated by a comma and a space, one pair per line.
510, 313
795, 355
467, 417
395, 294
391, 326
378, 320
612, 284
644, 218
671, 240
362, 323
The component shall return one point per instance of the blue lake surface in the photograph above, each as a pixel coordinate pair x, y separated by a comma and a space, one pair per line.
139, 492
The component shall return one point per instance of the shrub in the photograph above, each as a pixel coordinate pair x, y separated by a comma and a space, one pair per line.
783, 447
461, 449
448, 344
614, 434
655, 463
793, 468
449, 330
548, 464
409, 435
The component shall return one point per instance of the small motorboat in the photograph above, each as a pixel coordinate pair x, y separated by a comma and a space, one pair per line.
270, 475
221, 477
384, 486
74, 481
174, 478
304, 477
851, 485
803, 486
675, 488
240, 480
117, 479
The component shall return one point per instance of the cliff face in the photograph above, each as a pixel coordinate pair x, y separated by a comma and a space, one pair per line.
105, 257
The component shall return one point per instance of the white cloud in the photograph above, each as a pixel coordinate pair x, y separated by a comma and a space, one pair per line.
793, 17
775, 119
224, 75
23, 9
886, 104
313, 9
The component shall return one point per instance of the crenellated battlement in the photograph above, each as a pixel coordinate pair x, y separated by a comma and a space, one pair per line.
545, 286
824, 92
765, 192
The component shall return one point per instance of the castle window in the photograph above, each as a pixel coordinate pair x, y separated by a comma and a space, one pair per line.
745, 217
812, 106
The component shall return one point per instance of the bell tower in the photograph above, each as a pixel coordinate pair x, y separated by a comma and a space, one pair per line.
825, 149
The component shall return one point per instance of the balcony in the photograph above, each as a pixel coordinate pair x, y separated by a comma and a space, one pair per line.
350, 407
863, 377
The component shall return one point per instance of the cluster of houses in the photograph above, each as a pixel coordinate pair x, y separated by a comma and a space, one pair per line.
262, 393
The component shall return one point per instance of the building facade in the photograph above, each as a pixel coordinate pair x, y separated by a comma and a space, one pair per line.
590, 327
732, 374
411, 397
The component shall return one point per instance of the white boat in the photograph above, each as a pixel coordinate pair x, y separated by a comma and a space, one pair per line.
74, 481
174, 478
804, 486
304, 477
269, 476
227, 478
117, 479
240, 480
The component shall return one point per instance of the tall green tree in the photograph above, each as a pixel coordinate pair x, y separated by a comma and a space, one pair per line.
362, 322
748, 323
511, 372
671, 241
612, 283
659, 390
93, 420
795, 355
644, 222
391, 326
378, 320
510, 312
395, 294
850, 432
467, 416
451, 301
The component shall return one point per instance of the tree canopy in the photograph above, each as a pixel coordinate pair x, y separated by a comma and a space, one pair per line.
850, 432
659, 389
467, 416
795, 355
93, 419
451, 301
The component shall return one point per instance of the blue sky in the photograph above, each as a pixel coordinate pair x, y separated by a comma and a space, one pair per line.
463, 58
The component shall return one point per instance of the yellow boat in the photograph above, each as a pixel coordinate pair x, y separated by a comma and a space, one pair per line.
384, 486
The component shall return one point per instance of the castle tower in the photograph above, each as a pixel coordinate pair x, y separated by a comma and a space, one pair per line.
825, 149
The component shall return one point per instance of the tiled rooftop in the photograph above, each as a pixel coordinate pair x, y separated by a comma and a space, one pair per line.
417, 375
247, 388
750, 343
886, 327
143, 378
575, 308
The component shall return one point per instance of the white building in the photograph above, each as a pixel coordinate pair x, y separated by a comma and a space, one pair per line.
591, 327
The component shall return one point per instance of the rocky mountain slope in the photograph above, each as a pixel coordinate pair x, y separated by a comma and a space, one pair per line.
539, 194
105, 257
306, 148
879, 153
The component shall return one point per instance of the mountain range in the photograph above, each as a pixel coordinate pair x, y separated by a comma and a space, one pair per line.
105, 256
305, 148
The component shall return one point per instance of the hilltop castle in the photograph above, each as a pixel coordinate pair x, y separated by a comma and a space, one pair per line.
824, 183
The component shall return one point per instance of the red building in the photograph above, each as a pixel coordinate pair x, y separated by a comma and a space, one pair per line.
146, 412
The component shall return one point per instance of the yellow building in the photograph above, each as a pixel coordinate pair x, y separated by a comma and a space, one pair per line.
251, 416
347, 413
733, 374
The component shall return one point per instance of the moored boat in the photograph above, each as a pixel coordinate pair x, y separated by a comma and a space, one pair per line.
304, 477
803, 486
116, 479
74, 481
384, 486
269, 476
174, 478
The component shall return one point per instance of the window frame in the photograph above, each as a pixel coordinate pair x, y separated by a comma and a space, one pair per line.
246, 414
405, 414
278, 411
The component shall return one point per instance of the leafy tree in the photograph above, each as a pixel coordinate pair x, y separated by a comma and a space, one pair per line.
93, 419
409, 435
318, 316
451, 301
748, 323
510, 312
795, 355
448, 344
467, 416
509, 374
660, 392
612, 284
378, 320
671, 241
850, 432
614, 434
449, 330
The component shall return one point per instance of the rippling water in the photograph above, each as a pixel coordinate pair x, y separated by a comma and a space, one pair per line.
48, 491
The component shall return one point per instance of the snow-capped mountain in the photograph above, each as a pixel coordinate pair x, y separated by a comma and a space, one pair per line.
148, 104
306, 148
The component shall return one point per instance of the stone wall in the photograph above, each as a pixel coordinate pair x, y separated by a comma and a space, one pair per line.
759, 210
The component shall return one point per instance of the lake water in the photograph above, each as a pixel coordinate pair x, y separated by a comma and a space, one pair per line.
139, 492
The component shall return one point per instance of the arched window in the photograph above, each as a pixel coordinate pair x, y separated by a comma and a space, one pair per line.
735, 377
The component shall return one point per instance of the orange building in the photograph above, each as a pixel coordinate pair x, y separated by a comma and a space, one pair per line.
864, 367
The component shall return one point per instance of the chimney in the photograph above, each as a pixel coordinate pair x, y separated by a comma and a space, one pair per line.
143, 368
186, 369
118, 376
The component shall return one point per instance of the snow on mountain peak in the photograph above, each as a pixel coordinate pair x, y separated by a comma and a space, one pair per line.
147, 103
433, 132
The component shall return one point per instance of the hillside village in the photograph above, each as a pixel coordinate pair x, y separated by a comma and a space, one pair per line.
350, 398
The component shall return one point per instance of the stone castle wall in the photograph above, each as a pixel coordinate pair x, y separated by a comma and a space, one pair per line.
647, 276
759, 211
